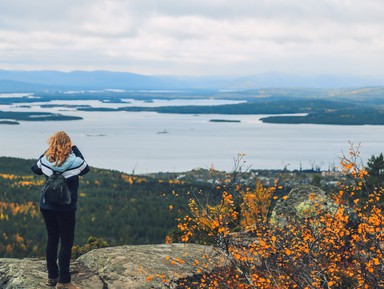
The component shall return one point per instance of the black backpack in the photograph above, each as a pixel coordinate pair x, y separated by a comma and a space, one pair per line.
56, 191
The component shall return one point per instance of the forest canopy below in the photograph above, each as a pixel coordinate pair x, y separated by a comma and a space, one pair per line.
113, 206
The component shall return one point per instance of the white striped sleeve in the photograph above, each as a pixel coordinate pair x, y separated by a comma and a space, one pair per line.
75, 171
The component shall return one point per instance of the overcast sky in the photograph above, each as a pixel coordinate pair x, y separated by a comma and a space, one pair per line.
194, 37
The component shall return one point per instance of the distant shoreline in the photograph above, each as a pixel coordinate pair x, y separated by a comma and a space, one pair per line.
351, 107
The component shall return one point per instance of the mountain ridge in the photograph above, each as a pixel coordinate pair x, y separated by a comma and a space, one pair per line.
103, 79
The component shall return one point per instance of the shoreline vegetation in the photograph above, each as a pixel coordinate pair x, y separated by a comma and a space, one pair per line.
363, 106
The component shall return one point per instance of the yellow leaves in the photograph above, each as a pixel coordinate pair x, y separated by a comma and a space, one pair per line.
321, 247
256, 203
262, 243
168, 240
18, 238
227, 199
27, 209
182, 227
129, 179
214, 224
175, 260
176, 182
9, 249
237, 256
307, 237
221, 230
25, 183
180, 261
175, 194
149, 278
3, 217
8, 176
186, 237
22, 180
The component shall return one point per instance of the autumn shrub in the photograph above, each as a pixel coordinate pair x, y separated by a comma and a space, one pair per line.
91, 244
341, 247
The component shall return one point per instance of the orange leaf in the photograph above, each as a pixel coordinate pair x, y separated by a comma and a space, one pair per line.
149, 278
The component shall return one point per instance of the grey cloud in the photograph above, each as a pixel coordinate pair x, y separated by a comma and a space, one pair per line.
24, 15
338, 10
42, 11
192, 35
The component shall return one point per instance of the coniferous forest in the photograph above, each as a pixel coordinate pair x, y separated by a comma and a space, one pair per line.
113, 206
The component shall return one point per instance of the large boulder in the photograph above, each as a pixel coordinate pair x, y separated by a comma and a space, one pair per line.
145, 266
142, 266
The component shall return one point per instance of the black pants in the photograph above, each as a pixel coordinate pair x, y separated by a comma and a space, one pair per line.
60, 227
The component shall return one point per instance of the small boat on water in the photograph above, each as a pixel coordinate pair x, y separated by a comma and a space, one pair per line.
163, 131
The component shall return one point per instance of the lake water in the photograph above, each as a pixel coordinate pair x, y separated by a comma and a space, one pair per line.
133, 142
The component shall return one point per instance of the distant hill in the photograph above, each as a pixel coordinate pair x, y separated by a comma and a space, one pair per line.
20, 86
286, 80
87, 80
99, 80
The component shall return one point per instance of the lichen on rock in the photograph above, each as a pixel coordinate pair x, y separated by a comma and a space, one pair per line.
306, 202
134, 266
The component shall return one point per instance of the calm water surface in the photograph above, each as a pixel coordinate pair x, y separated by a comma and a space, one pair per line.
135, 142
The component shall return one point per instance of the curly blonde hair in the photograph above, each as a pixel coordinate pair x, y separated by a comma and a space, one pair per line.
60, 146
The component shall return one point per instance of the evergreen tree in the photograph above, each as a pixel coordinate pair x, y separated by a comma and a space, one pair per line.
375, 169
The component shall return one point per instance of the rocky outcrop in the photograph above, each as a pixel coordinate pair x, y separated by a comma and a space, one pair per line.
299, 204
306, 201
26, 273
142, 266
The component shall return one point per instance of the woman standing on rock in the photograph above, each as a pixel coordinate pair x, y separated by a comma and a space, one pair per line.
61, 157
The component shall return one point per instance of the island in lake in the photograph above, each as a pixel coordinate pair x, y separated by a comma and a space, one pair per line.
350, 106
224, 120
11, 122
